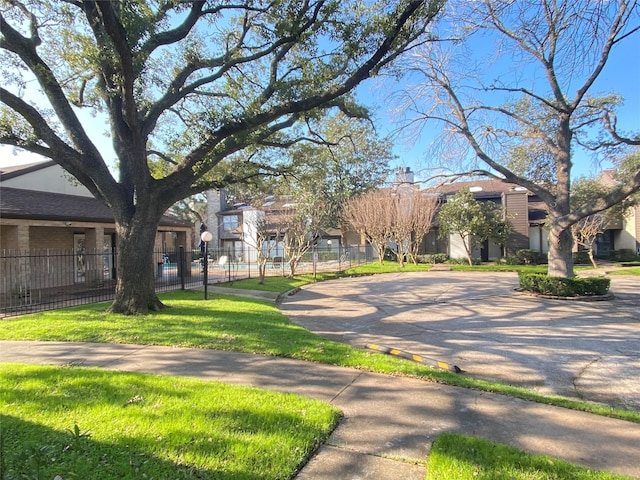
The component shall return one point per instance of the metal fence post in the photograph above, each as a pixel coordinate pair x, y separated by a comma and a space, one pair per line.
182, 266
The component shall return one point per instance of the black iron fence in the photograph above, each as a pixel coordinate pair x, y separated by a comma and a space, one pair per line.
39, 280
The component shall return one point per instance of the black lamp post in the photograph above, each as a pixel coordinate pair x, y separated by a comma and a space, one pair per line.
206, 237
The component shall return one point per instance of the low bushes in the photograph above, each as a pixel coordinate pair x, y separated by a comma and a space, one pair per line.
528, 257
464, 261
625, 255
581, 258
433, 258
563, 287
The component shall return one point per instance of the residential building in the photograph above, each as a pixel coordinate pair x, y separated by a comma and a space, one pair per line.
515, 202
43, 208
528, 216
623, 234
234, 225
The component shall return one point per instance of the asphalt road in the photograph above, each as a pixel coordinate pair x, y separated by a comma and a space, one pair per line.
478, 322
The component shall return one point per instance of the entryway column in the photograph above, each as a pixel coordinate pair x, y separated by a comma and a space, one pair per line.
16, 267
94, 245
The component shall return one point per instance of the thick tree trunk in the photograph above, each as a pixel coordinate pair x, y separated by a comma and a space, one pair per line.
135, 289
560, 253
561, 237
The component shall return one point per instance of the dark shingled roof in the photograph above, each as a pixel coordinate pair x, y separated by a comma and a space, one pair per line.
490, 188
13, 171
36, 205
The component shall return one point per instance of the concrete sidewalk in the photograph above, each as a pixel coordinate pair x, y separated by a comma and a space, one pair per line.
389, 423
583, 349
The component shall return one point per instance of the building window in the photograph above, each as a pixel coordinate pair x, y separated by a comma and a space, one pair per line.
230, 222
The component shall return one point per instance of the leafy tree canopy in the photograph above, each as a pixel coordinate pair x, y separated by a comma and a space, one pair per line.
473, 221
187, 88
345, 158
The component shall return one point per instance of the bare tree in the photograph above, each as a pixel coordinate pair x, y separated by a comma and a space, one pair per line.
397, 219
586, 231
530, 90
424, 208
262, 236
370, 215
300, 227
411, 213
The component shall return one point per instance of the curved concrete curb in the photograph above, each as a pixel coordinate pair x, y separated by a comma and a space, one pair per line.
288, 293
583, 298
416, 358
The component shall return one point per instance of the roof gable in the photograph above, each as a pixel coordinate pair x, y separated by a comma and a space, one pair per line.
18, 203
13, 171
481, 188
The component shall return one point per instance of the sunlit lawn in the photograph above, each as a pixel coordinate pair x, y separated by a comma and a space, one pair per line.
283, 284
226, 322
459, 457
43, 405
83, 423
625, 271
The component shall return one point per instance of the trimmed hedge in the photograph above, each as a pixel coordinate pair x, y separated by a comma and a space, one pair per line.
625, 255
581, 258
464, 261
433, 258
563, 287
528, 256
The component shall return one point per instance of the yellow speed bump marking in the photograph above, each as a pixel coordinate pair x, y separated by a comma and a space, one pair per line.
416, 358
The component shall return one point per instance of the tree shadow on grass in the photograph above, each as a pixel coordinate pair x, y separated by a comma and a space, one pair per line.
83, 423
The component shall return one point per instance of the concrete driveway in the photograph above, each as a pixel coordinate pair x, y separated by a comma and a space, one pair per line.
477, 321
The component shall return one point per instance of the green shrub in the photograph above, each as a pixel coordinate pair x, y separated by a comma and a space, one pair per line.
624, 255
528, 256
510, 260
581, 258
563, 287
464, 261
433, 258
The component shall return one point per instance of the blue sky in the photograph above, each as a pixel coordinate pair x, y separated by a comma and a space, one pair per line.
621, 75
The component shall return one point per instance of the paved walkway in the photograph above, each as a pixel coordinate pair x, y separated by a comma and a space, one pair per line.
389, 423
587, 350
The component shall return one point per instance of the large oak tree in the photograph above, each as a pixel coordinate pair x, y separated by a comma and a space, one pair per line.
516, 93
185, 84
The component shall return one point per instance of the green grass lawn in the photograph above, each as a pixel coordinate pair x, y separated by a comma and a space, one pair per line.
283, 284
279, 284
83, 423
227, 322
625, 271
71, 419
459, 457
